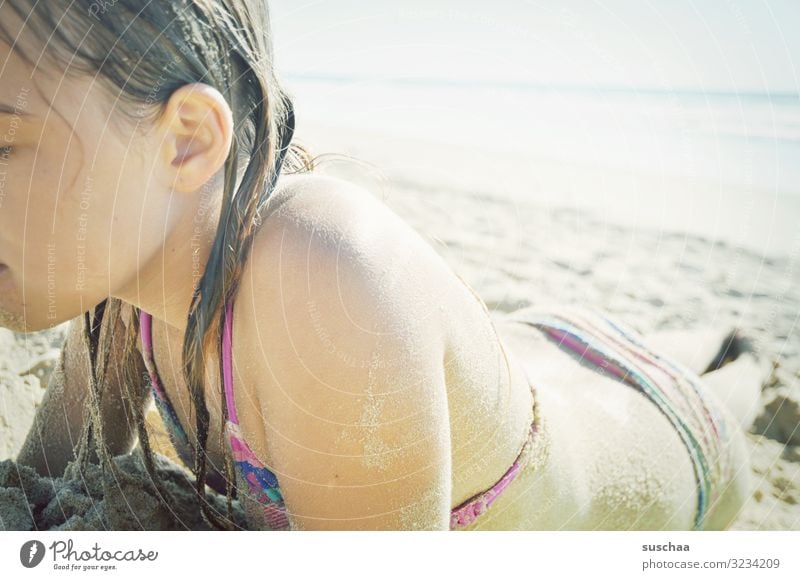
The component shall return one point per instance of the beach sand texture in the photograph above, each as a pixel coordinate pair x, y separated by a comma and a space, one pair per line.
513, 253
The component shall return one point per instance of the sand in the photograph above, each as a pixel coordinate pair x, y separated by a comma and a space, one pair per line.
513, 252
30, 502
93, 500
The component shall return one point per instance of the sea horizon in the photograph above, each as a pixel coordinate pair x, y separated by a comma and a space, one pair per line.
716, 163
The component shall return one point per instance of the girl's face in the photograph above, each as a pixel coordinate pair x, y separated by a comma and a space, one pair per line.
83, 202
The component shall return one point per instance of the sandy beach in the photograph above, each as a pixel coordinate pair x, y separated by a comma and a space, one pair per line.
514, 251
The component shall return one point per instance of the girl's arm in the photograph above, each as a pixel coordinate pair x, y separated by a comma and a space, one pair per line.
52, 439
352, 385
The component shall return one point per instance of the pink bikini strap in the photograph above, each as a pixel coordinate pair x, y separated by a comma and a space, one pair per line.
146, 330
145, 322
227, 361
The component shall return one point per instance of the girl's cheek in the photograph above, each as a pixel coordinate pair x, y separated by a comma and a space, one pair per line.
14, 187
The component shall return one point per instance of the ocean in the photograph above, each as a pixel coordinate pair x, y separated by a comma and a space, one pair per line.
723, 166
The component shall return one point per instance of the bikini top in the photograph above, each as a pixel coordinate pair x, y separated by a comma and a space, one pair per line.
263, 483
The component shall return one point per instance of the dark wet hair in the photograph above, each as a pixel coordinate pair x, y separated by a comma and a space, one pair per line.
142, 52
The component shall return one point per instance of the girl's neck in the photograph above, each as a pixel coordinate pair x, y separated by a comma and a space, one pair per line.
165, 283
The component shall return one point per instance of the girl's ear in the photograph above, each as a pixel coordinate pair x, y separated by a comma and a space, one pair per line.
197, 132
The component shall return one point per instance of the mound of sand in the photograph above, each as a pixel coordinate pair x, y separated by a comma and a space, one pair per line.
25, 366
92, 500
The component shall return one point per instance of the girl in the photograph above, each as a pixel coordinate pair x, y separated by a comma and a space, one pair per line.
312, 355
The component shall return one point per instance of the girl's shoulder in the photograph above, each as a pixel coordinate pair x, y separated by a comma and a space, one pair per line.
318, 230
306, 199
337, 341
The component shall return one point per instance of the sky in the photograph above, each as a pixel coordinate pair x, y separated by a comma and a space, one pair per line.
730, 46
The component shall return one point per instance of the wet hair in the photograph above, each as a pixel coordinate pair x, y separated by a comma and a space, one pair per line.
142, 52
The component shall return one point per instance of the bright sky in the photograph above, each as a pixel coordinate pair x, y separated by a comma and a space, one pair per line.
699, 45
